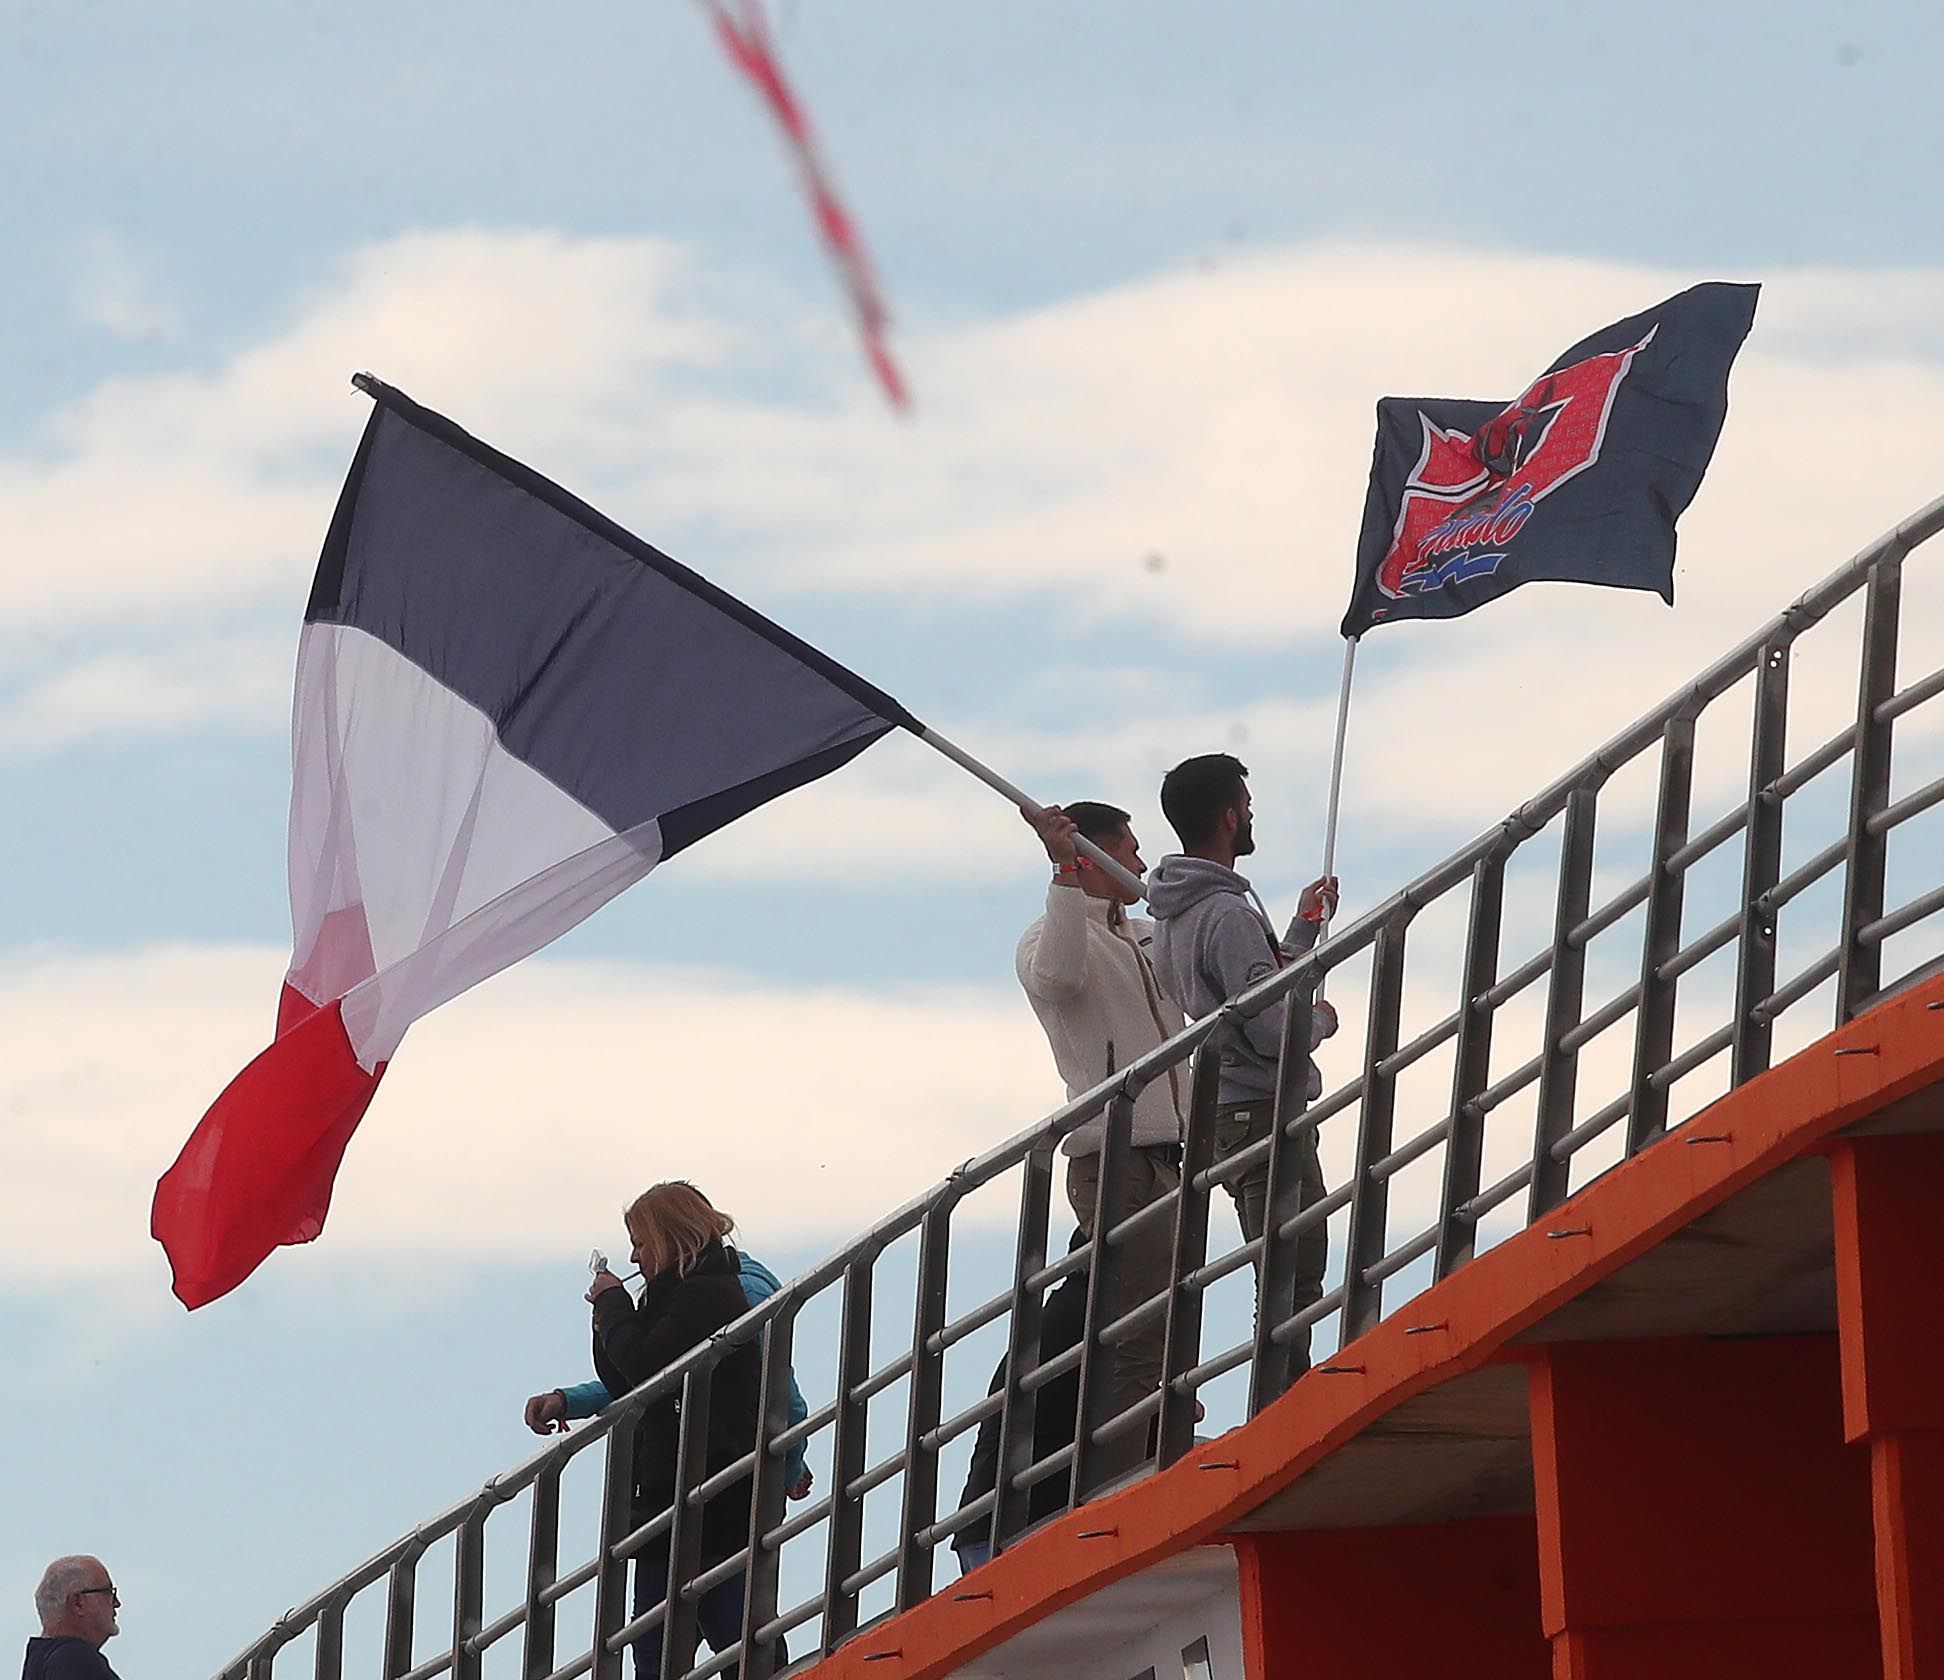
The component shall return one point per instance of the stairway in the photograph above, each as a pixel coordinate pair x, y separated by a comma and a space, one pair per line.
1623, 1364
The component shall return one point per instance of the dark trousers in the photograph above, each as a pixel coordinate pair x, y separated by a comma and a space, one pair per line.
720, 1612
1237, 1125
1146, 1261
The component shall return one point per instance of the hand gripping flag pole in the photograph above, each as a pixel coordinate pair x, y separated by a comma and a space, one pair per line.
992, 779
508, 710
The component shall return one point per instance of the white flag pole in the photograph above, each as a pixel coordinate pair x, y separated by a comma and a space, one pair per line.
992, 779
1336, 786
1336, 763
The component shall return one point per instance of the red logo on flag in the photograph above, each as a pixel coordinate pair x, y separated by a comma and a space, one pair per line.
1470, 495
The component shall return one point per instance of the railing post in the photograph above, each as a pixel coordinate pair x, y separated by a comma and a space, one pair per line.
400, 1595
1093, 1463
847, 1454
543, 1565
1011, 1503
1181, 1339
468, 1589
681, 1619
1661, 940
1559, 1066
1860, 971
769, 1497
1761, 864
1471, 1065
920, 1505
330, 1643
1363, 1301
1275, 1365
617, 1523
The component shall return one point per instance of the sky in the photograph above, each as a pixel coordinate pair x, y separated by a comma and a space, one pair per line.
1151, 268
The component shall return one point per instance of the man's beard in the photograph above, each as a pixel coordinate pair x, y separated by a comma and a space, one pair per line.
1245, 838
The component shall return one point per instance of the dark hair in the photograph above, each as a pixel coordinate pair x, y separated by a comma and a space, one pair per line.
1196, 792
1099, 823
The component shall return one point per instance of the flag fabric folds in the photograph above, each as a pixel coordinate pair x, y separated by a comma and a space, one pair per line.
1579, 480
508, 709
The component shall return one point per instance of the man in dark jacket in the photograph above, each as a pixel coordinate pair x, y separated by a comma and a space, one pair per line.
77, 1604
635, 1341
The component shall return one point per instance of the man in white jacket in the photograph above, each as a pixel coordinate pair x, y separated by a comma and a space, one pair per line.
1086, 969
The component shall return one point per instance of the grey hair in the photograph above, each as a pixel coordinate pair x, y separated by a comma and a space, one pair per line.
64, 1575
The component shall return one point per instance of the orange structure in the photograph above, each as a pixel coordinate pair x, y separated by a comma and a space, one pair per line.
1692, 1424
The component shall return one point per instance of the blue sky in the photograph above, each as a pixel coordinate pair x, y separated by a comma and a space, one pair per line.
1152, 266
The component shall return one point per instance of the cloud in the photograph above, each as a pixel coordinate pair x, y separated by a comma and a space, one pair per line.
115, 287
1219, 420
170, 494
519, 1119
154, 691
1178, 460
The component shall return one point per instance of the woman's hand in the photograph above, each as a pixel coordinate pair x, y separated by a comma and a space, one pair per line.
603, 1281
546, 1413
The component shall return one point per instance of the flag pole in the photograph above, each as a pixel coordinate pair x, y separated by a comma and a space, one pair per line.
1336, 786
992, 779
1336, 763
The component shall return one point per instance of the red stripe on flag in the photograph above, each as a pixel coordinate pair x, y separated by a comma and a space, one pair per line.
749, 49
256, 1173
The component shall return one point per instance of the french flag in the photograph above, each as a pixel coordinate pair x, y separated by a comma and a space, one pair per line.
508, 710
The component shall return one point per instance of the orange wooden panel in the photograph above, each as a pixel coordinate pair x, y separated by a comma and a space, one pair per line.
1842, 1648
1697, 1481
1907, 1472
1395, 1603
1889, 1207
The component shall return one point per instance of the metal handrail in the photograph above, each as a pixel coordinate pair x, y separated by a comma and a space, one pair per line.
1497, 1062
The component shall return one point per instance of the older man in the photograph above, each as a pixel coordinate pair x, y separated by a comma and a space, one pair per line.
77, 1604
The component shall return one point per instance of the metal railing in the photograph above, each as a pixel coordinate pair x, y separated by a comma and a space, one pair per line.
1699, 951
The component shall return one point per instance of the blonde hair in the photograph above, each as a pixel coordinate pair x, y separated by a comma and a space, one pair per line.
674, 1223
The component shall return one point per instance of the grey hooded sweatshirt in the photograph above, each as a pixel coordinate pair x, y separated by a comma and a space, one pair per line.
1211, 941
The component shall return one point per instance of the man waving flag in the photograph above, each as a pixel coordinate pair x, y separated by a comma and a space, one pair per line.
508, 710
1579, 479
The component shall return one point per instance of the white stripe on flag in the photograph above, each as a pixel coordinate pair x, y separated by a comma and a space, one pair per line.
423, 855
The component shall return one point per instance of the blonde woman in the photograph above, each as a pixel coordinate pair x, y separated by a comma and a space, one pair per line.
692, 1289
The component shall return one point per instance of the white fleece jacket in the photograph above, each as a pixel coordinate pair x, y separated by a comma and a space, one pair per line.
1086, 970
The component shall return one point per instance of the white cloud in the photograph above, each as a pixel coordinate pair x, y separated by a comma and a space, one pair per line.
520, 1118
115, 287
1220, 422
136, 690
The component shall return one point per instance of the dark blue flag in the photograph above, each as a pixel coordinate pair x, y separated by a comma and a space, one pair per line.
1579, 480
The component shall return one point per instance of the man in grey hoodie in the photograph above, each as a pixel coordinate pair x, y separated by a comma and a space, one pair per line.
1212, 940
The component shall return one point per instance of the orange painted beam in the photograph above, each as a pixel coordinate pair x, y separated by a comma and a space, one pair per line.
1890, 1315
1463, 1323
1907, 1477
1395, 1603
1699, 1512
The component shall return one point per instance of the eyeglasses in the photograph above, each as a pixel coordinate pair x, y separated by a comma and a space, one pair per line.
82, 1592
